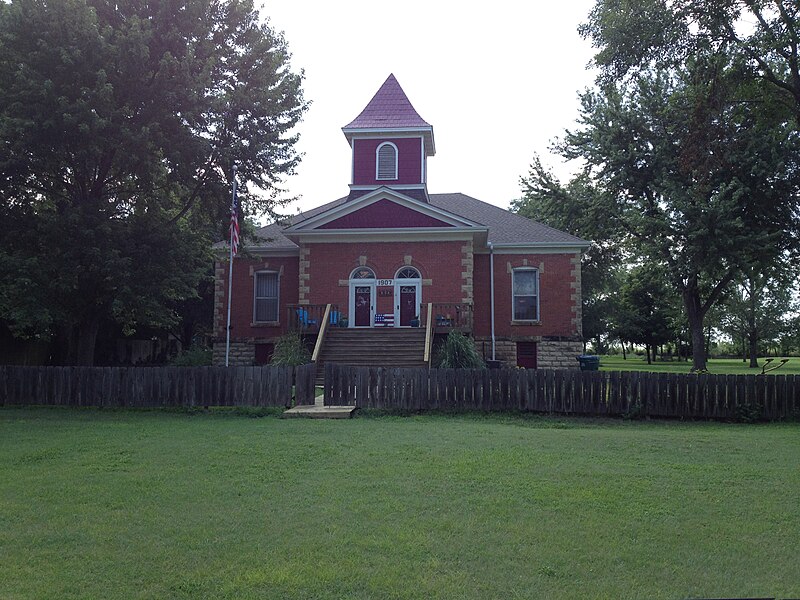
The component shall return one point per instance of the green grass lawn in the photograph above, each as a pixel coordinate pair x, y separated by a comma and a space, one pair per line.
115, 504
722, 366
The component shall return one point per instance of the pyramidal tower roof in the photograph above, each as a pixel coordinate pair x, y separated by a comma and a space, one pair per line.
389, 112
388, 109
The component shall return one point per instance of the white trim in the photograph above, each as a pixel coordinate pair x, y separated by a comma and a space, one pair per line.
423, 176
354, 133
351, 301
378, 162
358, 132
398, 283
511, 248
538, 318
387, 235
276, 252
395, 187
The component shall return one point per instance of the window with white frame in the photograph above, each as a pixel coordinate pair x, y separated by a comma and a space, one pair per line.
525, 286
386, 167
265, 303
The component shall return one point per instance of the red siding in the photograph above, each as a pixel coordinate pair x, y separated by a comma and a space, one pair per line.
386, 214
555, 295
409, 165
242, 307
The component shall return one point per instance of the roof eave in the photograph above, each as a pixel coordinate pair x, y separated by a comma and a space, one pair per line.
426, 131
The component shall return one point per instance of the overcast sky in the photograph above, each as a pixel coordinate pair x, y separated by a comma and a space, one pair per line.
497, 84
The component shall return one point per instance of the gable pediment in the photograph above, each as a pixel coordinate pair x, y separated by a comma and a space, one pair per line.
384, 214
382, 209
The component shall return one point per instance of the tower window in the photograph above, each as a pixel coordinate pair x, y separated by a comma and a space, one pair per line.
386, 161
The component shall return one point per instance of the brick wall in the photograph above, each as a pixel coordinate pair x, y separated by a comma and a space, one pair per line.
330, 265
242, 308
409, 161
559, 295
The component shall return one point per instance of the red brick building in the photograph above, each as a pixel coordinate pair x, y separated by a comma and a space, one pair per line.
389, 254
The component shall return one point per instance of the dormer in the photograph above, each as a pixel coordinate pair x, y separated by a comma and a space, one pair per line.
390, 143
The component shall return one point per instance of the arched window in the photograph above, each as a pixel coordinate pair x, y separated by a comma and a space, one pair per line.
362, 273
386, 161
407, 273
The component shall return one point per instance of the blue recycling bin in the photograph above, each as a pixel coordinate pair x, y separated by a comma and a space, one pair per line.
589, 362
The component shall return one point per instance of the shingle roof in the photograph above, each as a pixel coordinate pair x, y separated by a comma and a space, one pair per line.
389, 108
504, 227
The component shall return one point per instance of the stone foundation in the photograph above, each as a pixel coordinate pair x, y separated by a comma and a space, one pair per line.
550, 353
558, 355
243, 354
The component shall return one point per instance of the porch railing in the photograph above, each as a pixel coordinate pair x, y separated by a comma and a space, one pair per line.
452, 316
307, 318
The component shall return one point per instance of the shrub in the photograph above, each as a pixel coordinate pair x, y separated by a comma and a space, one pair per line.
290, 351
458, 352
195, 356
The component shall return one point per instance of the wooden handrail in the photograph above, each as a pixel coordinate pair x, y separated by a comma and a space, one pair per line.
428, 335
321, 335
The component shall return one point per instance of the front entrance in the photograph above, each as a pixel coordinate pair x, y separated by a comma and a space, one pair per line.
363, 304
407, 288
408, 305
362, 297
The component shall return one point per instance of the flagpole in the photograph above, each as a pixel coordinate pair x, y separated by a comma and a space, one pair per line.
230, 274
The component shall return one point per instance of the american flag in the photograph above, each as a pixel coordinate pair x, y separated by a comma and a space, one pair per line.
234, 224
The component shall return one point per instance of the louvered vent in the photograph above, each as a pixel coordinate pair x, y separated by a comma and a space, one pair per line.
387, 161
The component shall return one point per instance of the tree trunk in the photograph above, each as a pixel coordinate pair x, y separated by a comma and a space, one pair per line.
753, 339
695, 315
752, 333
624, 356
647, 350
85, 339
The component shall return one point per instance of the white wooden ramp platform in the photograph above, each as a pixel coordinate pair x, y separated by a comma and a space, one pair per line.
318, 411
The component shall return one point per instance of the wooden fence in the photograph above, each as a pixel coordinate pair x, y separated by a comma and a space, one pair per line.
768, 397
157, 386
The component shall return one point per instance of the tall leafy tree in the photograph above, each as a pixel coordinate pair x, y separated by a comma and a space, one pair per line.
643, 311
573, 208
762, 36
119, 125
758, 307
700, 180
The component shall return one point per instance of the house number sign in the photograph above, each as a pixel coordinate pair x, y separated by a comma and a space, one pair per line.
385, 282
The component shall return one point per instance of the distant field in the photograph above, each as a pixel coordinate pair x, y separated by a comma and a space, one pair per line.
125, 504
715, 365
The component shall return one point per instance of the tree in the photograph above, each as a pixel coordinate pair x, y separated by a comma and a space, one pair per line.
573, 208
763, 37
757, 309
643, 314
120, 123
700, 181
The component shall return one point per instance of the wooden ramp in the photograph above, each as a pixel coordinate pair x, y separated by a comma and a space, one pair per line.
317, 411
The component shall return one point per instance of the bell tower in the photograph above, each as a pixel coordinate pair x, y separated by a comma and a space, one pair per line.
391, 144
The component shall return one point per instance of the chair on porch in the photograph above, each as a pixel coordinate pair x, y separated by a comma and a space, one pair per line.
303, 318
